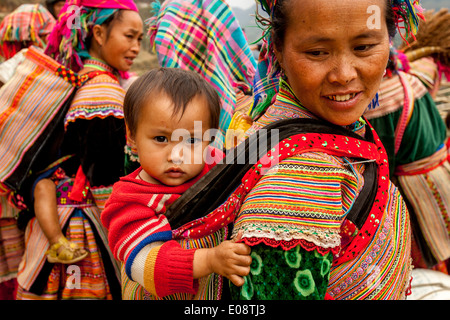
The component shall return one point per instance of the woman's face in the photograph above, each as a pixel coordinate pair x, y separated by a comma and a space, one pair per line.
57, 8
334, 55
121, 45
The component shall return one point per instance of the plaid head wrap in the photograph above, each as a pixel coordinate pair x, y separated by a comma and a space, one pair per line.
28, 25
67, 43
406, 17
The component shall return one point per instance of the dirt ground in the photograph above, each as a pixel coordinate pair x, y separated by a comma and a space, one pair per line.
144, 62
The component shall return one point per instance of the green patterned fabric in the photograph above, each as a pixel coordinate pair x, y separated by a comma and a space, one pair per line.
276, 274
416, 144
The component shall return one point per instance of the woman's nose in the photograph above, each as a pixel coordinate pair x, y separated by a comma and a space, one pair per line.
136, 47
343, 71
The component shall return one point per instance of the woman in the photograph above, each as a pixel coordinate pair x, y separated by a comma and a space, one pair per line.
414, 135
55, 7
299, 217
27, 25
89, 159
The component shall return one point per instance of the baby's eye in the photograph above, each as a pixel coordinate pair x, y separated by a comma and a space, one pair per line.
193, 140
160, 139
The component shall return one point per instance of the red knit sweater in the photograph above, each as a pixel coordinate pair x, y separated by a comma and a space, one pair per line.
140, 234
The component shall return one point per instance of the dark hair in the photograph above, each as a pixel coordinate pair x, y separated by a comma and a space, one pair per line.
280, 22
108, 23
180, 85
117, 15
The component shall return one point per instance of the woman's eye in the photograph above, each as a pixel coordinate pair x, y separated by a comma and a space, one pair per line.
316, 53
364, 47
160, 139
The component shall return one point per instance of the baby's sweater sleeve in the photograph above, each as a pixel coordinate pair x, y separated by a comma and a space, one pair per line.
164, 268
142, 240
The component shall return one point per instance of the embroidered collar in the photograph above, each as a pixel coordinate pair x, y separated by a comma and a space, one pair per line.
99, 65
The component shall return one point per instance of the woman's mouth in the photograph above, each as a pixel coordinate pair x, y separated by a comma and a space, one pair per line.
129, 61
342, 97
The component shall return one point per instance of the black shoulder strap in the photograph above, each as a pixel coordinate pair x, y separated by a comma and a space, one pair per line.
215, 187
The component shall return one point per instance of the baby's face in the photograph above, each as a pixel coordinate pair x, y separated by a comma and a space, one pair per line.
171, 148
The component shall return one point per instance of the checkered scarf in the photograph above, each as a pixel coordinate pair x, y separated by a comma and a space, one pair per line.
28, 25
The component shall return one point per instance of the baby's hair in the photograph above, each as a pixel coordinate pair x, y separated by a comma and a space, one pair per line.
180, 85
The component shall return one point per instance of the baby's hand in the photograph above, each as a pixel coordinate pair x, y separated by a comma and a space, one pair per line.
231, 260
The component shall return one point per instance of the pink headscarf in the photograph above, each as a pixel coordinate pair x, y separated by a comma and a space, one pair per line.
103, 4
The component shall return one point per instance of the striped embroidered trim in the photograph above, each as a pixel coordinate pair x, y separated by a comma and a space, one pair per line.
288, 245
149, 270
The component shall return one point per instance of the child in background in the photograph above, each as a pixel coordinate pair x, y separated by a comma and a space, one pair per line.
160, 107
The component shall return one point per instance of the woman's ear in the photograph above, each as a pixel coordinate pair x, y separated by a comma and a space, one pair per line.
99, 34
279, 56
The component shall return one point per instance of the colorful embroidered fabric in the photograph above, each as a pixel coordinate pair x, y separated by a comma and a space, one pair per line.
205, 36
374, 263
81, 219
382, 271
418, 158
94, 282
90, 101
12, 246
63, 196
28, 104
27, 25
425, 183
290, 231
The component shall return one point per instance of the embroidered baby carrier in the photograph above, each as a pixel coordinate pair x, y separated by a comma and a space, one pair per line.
215, 202
33, 104
221, 191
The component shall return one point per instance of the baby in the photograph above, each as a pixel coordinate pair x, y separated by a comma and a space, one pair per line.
169, 114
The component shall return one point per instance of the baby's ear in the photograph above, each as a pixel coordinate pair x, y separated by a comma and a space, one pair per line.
130, 139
